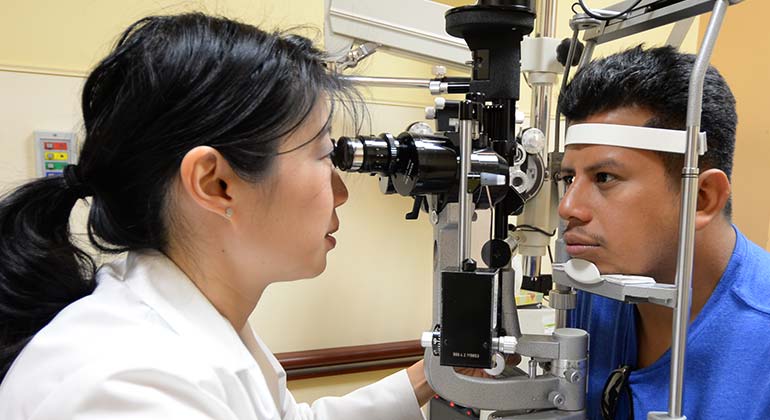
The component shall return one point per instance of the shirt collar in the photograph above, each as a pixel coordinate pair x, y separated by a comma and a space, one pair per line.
161, 285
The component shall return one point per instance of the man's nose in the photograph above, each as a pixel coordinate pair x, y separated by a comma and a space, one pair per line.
575, 205
339, 189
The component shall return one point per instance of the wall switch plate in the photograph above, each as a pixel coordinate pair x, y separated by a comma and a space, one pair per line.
54, 150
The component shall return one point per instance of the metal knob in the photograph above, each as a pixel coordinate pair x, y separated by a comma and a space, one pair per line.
439, 71
573, 376
533, 141
426, 341
556, 398
430, 112
506, 344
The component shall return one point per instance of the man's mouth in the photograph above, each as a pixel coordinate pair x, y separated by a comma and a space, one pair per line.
578, 245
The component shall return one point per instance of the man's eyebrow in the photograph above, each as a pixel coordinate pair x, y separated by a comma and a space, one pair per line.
605, 164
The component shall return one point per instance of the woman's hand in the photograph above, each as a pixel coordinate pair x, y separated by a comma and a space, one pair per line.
511, 359
422, 390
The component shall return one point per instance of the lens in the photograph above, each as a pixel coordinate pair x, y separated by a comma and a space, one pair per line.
348, 154
366, 153
415, 164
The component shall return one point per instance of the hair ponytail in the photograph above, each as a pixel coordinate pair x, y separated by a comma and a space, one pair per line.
41, 270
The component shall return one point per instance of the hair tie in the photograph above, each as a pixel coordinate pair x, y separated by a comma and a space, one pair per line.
74, 183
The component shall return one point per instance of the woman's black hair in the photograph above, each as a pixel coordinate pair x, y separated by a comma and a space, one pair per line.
171, 83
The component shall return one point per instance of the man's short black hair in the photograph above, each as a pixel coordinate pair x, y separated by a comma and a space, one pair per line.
657, 79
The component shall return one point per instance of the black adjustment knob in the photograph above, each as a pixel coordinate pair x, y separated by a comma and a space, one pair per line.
469, 265
496, 253
562, 51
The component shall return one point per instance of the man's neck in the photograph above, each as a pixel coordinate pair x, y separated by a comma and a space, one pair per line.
713, 249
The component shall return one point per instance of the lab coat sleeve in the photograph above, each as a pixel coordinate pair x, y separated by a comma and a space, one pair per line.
391, 398
145, 394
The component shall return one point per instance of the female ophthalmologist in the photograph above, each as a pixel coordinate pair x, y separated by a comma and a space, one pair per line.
206, 157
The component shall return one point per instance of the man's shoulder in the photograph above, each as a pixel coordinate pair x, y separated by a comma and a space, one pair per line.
751, 284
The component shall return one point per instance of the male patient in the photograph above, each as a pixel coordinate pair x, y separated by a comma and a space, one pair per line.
622, 212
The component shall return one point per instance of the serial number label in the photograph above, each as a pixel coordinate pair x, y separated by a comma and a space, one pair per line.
466, 355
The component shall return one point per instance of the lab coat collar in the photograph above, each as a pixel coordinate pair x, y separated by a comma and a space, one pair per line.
161, 285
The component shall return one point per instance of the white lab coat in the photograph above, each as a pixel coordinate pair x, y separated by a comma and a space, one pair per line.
148, 345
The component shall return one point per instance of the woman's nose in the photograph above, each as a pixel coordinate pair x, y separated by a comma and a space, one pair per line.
339, 189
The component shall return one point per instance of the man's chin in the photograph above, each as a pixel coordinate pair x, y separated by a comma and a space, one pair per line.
602, 266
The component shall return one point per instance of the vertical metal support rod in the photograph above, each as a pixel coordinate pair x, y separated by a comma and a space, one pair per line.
541, 93
545, 24
687, 216
466, 215
561, 256
531, 266
541, 107
565, 76
588, 52
560, 315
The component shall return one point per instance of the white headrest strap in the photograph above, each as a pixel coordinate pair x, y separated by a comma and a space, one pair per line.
635, 137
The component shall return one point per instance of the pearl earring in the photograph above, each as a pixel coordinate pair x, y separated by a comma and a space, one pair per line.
229, 212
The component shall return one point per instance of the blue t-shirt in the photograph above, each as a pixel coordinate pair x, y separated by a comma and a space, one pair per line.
727, 364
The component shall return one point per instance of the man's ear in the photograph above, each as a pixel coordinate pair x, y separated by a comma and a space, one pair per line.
206, 177
713, 194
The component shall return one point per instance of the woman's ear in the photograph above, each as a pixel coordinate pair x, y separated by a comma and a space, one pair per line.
713, 194
206, 177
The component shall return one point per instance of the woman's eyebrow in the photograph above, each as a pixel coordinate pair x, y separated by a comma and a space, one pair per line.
326, 129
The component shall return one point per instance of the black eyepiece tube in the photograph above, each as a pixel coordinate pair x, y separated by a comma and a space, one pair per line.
368, 154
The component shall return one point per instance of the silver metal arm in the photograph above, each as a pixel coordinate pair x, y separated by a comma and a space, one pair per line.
690, 174
646, 16
402, 82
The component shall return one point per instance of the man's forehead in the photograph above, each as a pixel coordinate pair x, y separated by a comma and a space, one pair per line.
626, 115
583, 155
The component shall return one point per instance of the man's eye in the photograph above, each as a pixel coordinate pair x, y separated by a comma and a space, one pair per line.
603, 177
567, 179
